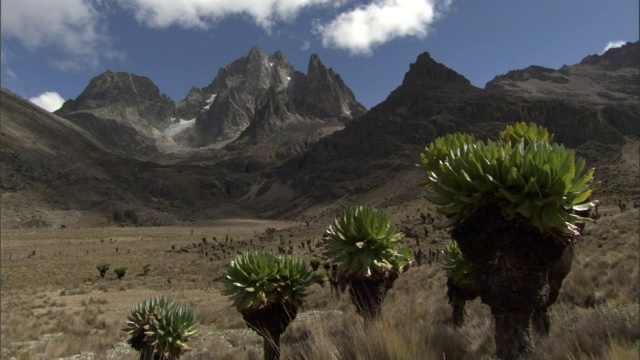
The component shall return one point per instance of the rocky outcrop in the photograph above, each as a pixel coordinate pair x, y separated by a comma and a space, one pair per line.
610, 78
125, 112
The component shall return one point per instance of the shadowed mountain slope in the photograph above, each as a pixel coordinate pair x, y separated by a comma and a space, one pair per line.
432, 101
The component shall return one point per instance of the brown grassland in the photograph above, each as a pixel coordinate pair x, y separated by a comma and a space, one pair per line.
56, 306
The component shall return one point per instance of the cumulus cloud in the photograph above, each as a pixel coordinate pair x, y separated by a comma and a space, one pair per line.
73, 28
613, 44
367, 26
199, 14
48, 100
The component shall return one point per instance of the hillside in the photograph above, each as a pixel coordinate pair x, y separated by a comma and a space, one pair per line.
296, 153
434, 100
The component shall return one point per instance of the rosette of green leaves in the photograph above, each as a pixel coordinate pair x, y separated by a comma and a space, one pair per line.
257, 279
162, 325
441, 147
528, 132
170, 330
403, 258
362, 242
535, 180
457, 267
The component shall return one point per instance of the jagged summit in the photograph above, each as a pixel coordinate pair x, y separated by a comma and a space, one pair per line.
258, 93
246, 87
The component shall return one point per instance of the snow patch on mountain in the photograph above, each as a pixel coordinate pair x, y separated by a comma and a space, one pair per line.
175, 129
209, 102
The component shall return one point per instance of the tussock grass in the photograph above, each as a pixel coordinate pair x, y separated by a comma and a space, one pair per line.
68, 310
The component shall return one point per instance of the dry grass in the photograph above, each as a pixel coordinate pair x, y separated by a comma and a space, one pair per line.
55, 305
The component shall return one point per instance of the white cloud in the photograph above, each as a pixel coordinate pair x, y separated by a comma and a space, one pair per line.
305, 45
613, 44
73, 28
48, 100
367, 26
202, 14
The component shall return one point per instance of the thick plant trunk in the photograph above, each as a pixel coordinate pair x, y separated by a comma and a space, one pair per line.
559, 270
271, 346
513, 263
457, 297
513, 335
367, 294
270, 322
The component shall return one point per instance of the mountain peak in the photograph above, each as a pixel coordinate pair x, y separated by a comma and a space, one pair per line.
426, 72
314, 63
115, 87
279, 57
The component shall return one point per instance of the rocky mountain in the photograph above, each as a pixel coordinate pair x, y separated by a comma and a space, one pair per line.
258, 100
125, 112
259, 95
278, 142
431, 101
610, 78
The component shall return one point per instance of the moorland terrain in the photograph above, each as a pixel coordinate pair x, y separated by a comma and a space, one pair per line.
99, 182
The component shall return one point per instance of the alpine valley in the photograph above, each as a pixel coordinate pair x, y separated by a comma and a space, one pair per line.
266, 140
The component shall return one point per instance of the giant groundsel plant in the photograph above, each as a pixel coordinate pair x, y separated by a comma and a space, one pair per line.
511, 203
267, 290
369, 255
160, 328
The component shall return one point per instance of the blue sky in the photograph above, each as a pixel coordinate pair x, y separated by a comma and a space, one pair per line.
51, 49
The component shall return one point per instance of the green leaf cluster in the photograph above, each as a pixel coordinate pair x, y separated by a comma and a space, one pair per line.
161, 324
530, 177
257, 279
528, 132
362, 242
458, 268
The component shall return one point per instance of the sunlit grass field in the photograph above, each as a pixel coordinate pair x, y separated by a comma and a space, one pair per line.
55, 304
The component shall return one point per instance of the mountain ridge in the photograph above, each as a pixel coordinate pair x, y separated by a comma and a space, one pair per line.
282, 164
610, 78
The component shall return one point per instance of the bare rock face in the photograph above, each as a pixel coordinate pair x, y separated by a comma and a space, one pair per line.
192, 105
258, 95
121, 91
326, 91
610, 78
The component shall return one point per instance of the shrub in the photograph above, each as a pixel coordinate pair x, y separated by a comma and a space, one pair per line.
102, 268
120, 272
